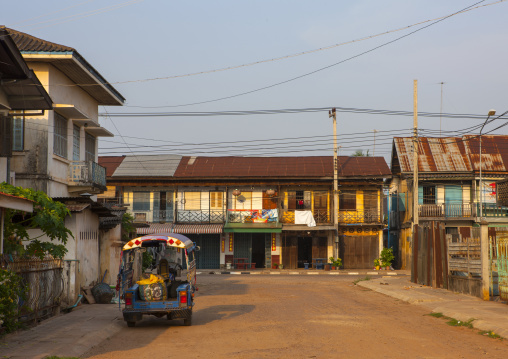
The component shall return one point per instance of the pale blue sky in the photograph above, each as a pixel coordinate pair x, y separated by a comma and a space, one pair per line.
158, 38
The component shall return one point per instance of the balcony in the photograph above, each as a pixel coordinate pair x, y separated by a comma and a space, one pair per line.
446, 210
492, 210
360, 216
320, 216
86, 176
155, 216
253, 216
200, 216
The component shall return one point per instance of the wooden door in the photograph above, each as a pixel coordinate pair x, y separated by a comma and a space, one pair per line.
290, 252
358, 252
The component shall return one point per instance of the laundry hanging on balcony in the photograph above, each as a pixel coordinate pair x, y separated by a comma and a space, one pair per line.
305, 217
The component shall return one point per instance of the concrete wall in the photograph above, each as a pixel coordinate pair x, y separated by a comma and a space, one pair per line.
110, 246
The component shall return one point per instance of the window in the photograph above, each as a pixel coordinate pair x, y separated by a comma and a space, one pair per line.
192, 201
320, 200
141, 201
60, 136
429, 194
299, 200
18, 131
347, 200
370, 200
89, 148
215, 200
243, 201
75, 143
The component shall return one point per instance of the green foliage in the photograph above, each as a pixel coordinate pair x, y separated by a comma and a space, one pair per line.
436, 315
359, 153
48, 216
147, 260
11, 291
377, 262
387, 257
490, 334
127, 226
457, 323
355, 282
336, 262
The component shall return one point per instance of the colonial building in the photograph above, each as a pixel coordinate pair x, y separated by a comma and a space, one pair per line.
449, 188
55, 151
256, 212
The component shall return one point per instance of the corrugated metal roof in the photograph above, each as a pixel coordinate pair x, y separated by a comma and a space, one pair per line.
147, 166
317, 166
110, 163
453, 154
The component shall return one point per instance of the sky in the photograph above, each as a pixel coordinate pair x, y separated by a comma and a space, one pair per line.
131, 41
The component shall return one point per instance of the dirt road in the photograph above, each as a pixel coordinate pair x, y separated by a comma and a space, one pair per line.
298, 317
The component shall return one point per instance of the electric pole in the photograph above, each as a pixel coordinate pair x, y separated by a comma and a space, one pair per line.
415, 152
333, 114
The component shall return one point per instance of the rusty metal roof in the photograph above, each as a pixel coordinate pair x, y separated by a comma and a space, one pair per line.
110, 163
452, 154
305, 167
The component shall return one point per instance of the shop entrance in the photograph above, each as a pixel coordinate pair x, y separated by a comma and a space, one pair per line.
258, 249
304, 251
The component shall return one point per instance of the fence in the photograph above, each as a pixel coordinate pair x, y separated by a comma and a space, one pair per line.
43, 278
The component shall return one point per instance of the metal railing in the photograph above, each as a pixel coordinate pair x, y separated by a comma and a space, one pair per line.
320, 216
200, 216
253, 216
155, 215
87, 172
360, 216
456, 210
492, 210
44, 280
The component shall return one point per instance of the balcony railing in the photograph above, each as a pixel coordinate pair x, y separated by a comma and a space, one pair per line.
456, 210
87, 173
492, 210
320, 216
154, 216
360, 216
253, 216
200, 216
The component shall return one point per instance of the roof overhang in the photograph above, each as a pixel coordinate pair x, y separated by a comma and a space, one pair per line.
71, 112
99, 131
16, 203
81, 73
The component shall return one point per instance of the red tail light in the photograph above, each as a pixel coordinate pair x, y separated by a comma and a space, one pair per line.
183, 297
128, 299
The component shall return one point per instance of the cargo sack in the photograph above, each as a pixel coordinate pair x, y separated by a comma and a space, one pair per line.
150, 279
153, 292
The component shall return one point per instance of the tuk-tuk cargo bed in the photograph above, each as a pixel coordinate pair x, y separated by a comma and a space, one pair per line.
176, 313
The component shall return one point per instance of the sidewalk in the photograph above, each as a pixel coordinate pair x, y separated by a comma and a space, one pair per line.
300, 271
71, 334
489, 316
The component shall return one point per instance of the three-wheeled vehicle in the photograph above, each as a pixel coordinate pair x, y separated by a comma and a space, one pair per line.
163, 294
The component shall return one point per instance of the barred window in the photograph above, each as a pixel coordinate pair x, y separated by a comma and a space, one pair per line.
60, 136
18, 133
75, 143
89, 147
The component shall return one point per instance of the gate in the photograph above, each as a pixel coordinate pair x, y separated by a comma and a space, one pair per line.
208, 257
358, 252
502, 263
243, 246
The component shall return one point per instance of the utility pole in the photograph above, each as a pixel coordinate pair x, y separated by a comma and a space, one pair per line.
333, 114
415, 152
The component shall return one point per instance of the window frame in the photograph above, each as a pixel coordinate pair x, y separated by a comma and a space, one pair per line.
60, 133
347, 204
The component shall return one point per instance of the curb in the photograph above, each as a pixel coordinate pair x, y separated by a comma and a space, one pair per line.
306, 272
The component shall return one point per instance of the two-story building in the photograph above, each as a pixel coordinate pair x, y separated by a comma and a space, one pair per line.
448, 185
257, 210
55, 151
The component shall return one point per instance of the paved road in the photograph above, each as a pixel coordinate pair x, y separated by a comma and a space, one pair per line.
298, 317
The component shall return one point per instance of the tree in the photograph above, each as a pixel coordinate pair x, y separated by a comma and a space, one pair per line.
359, 153
49, 217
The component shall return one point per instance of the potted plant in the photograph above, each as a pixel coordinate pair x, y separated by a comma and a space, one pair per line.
377, 263
387, 257
336, 263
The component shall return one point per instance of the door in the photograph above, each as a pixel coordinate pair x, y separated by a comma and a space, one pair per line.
243, 246
289, 252
208, 257
258, 249
305, 251
358, 252
453, 200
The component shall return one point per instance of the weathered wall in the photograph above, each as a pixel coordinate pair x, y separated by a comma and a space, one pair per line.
110, 246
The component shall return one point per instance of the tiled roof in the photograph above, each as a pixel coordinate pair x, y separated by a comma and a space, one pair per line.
317, 166
29, 43
453, 154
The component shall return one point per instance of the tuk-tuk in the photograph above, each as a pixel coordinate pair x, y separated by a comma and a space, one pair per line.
163, 293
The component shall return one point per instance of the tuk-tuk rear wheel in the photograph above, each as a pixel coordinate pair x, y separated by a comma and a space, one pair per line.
131, 324
187, 322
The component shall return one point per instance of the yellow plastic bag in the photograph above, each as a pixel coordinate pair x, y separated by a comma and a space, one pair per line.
153, 279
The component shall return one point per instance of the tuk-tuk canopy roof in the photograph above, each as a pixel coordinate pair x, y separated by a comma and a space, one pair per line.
171, 240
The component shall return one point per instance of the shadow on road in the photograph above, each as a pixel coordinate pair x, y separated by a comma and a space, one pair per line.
219, 312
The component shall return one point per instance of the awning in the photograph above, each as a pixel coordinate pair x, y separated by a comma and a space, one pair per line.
253, 228
197, 228
156, 228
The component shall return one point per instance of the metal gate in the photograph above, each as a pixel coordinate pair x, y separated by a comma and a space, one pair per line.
502, 263
208, 257
243, 246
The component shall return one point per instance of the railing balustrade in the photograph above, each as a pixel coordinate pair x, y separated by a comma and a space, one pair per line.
320, 216
200, 216
360, 216
87, 172
456, 210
